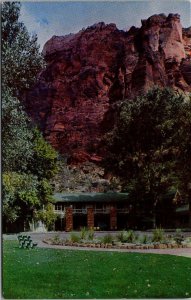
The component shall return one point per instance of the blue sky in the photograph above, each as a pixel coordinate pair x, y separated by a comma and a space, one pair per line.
60, 18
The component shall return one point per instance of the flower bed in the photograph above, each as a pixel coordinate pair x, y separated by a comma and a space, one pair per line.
119, 246
123, 240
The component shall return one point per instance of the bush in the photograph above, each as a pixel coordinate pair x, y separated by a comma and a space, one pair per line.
122, 237
90, 234
107, 239
47, 216
158, 235
83, 233
131, 236
144, 239
86, 234
56, 239
74, 237
127, 236
179, 238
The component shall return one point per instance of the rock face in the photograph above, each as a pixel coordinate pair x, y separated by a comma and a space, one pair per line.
89, 72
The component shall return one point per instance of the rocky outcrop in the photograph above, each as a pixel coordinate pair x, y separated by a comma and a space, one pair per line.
186, 63
186, 33
87, 177
89, 72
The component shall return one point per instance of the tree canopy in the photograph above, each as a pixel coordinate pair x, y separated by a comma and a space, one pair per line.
149, 145
21, 59
16, 134
183, 144
29, 162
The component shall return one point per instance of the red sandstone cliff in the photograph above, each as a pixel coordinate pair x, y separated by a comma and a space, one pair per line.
89, 71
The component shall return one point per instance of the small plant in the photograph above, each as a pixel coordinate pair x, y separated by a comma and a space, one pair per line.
56, 239
144, 239
127, 236
90, 234
158, 235
83, 233
74, 237
179, 238
121, 236
107, 239
131, 236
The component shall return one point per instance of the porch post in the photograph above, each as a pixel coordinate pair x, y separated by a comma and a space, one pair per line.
90, 216
113, 218
69, 219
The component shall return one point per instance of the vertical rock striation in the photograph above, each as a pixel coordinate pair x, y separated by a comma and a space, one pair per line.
89, 72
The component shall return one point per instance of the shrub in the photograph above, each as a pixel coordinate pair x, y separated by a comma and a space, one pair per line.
179, 238
127, 236
144, 239
158, 235
56, 239
47, 216
74, 237
121, 236
107, 239
90, 234
131, 237
83, 233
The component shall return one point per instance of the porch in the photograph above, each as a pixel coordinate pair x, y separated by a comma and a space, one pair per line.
100, 211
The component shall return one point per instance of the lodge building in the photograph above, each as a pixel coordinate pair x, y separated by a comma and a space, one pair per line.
101, 211
106, 211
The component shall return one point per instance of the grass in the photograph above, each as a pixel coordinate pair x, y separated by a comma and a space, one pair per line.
50, 274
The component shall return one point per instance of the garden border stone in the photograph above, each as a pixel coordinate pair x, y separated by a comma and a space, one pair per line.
122, 246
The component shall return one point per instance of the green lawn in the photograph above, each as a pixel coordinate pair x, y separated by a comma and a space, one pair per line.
47, 273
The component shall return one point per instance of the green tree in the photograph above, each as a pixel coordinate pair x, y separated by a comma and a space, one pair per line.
142, 148
28, 161
182, 141
28, 190
47, 216
21, 62
21, 59
20, 196
44, 165
44, 160
16, 134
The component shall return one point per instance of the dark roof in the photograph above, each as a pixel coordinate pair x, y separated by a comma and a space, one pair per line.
91, 197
